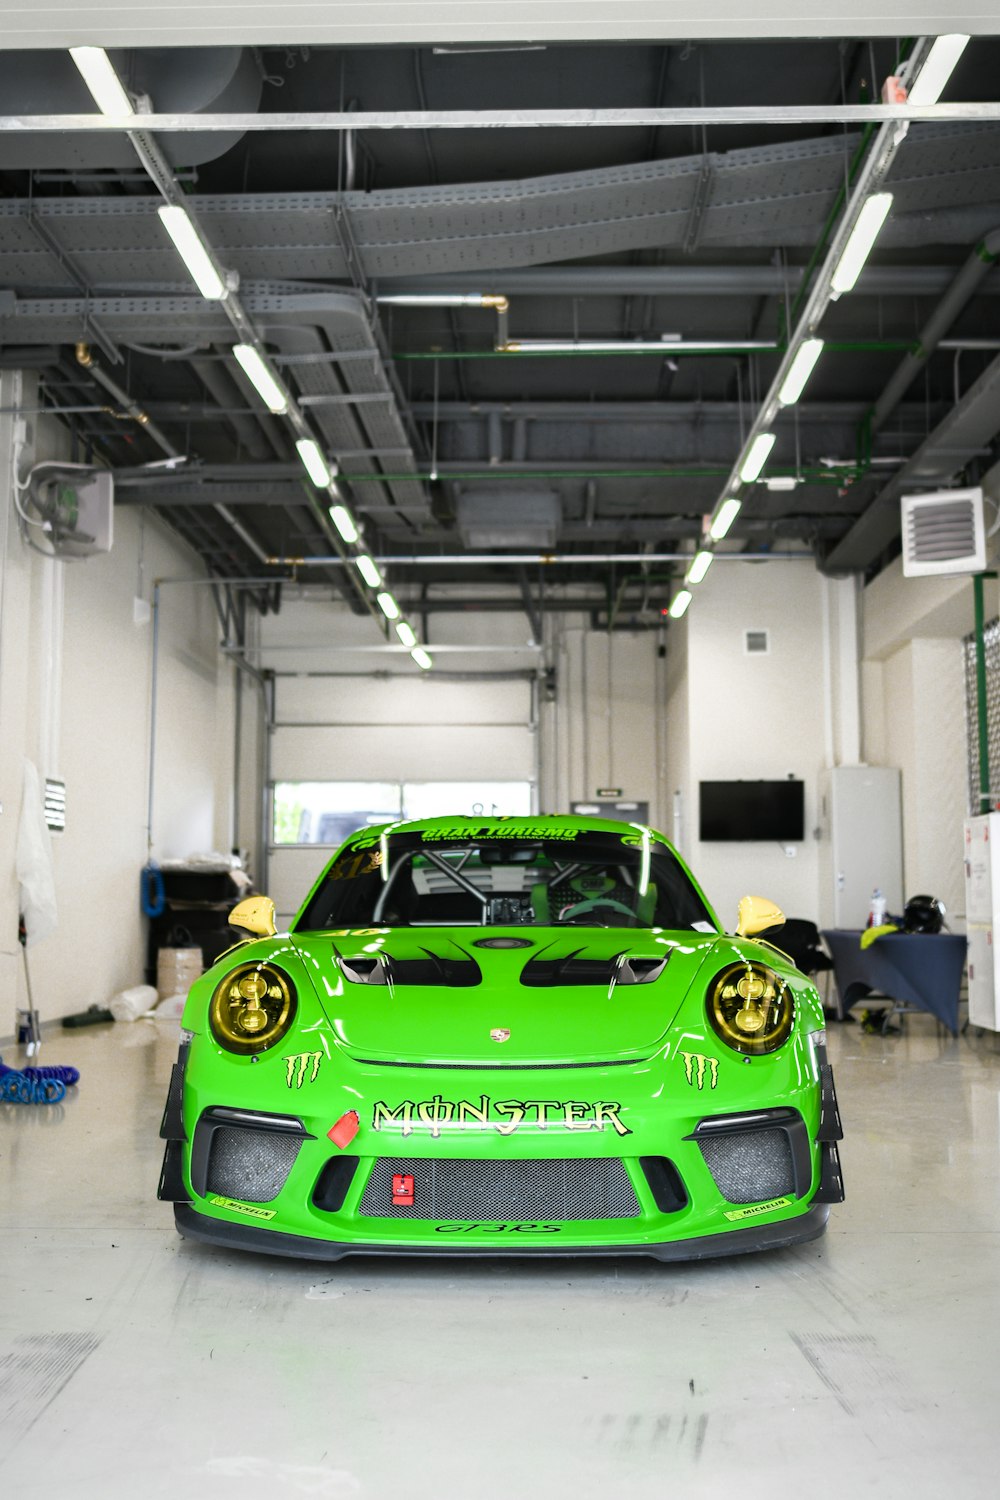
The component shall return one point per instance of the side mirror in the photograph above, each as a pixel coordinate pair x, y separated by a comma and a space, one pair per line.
256, 915
754, 914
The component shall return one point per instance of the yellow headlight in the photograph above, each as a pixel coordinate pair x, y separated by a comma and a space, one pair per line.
252, 1008
751, 1008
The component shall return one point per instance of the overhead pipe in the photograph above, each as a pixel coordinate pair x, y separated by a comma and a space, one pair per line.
962, 289
545, 559
85, 359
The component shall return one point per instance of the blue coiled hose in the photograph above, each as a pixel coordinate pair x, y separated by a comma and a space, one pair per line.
35, 1085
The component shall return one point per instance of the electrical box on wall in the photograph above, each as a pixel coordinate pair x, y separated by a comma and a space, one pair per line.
861, 843
74, 505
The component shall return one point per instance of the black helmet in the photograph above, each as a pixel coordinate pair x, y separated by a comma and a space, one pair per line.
923, 914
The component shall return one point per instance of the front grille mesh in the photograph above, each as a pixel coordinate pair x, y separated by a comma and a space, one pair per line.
555, 1191
251, 1164
750, 1165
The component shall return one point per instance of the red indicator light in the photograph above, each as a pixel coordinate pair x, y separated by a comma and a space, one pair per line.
346, 1128
402, 1190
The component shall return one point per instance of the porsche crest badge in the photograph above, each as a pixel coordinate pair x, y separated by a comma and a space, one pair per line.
500, 1034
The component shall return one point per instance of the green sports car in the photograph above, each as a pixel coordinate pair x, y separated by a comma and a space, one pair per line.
522, 1034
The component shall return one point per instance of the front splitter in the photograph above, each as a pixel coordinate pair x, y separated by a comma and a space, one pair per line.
195, 1226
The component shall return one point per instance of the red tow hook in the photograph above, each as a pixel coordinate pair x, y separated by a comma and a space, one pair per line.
346, 1128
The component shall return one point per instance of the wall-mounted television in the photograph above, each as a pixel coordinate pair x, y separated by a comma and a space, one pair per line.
738, 811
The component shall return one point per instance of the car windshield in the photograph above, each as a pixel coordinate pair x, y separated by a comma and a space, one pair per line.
493, 878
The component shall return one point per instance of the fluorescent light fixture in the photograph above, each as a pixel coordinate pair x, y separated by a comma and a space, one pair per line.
859, 246
421, 657
757, 457
388, 606
700, 566
632, 346
406, 634
433, 299
344, 522
680, 604
369, 572
799, 371
728, 511
98, 73
256, 371
192, 252
313, 462
781, 482
937, 69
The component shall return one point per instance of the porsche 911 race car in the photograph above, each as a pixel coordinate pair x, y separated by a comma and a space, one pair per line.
516, 1034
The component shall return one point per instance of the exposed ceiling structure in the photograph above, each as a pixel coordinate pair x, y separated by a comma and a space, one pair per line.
689, 244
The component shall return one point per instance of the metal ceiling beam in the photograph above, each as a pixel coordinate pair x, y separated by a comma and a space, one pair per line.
766, 115
676, 281
657, 412
966, 431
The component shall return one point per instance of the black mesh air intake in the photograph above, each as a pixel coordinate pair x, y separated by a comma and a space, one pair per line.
250, 1164
750, 1165
556, 1191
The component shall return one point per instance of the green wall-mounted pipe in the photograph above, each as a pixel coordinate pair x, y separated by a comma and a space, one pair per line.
982, 717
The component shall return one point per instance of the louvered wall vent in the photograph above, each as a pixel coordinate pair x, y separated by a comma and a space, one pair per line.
755, 642
943, 533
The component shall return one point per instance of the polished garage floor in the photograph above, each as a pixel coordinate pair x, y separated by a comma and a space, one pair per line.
133, 1363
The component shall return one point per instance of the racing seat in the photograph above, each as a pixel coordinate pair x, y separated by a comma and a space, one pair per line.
800, 939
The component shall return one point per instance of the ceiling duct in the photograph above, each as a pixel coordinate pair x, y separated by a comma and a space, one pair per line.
509, 518
178, 80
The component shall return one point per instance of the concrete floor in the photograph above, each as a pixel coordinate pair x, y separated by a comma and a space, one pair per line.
135, 1363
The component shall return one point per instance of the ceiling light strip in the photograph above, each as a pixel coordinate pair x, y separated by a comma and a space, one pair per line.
768, 115
200, 263
215, 284
869, 184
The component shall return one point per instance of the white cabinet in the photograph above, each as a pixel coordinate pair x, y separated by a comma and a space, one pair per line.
861, 843
982, 913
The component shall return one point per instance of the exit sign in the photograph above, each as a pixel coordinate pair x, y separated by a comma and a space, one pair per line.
609, 791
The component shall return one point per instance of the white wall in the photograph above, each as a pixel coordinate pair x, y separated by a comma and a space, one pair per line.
914, 716
733, 716
72, 625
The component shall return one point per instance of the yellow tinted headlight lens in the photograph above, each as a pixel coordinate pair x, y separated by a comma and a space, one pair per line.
751, 1008
252, 1008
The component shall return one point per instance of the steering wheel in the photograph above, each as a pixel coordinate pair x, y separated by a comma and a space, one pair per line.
583, 908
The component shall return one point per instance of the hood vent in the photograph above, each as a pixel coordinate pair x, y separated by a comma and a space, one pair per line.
432, 969
572, 969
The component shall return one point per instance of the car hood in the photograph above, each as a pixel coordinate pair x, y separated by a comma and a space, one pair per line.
500, 998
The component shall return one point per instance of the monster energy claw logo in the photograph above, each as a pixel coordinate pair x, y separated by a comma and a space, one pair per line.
298, 1065
696, 1065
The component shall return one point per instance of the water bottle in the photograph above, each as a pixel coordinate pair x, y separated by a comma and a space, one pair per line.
876, 916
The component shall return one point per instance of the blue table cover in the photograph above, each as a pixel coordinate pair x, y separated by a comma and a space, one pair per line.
920, 969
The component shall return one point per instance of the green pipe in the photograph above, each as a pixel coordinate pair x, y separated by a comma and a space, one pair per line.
981, 714
812, 476
889, 346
